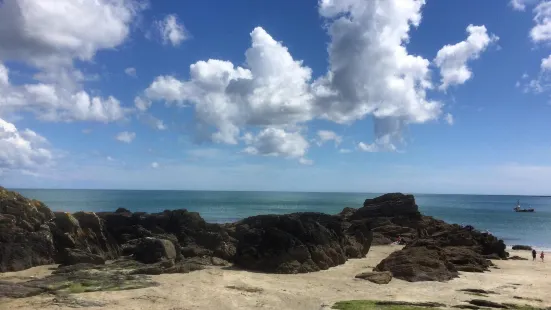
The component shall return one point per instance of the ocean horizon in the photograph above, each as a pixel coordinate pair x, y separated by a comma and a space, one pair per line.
485, 212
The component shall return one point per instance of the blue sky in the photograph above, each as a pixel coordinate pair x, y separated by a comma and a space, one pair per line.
332, 95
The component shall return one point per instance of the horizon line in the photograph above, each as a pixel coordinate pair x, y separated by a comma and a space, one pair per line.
276, 191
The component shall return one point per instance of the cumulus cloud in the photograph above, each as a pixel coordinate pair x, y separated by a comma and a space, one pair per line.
130, 71
345, 151
49, 35
54, 103
452, 59
371, 73
22, 150
53, 32
154, 165
277, 142
125, 136
542, 18
327, 135
273, 90
171, 30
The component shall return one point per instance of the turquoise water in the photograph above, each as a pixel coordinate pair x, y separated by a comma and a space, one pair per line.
493, 213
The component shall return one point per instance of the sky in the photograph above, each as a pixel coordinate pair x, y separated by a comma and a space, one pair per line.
331, 95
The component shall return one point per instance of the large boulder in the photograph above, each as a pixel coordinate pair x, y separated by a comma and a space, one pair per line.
299, 242
85, 233
25, 239
376, 277
415, 264
153, 250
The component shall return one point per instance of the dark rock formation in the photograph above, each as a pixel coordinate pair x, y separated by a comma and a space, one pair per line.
82, 238
186, 229
487, 304
522, 247
25, 239
299, 242
517, 258
419, 264
376, 277
153, 250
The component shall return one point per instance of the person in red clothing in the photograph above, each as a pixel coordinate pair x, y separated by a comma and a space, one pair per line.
542, 256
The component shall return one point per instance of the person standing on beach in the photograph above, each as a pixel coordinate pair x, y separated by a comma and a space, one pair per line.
542, 256
534, 253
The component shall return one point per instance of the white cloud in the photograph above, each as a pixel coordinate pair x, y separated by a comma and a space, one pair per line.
53, 32
142, 104
130, 71
370, 73
452, 59
381, 144
126, 137
152, 121
51, 102
449, 119
327, 135
154, 165
542, 17
274, 90
49, 35
518, 5
171, 30
277, 142
22, 150
305, 161
109, 158
345, 151
546, 63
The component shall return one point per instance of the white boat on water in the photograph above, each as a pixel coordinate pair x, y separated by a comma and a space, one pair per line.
519, 209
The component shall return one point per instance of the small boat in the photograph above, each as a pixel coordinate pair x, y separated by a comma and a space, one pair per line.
519, 209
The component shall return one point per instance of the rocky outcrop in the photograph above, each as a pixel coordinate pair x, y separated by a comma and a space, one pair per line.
186, 229
82, 238
522, 247
153, 250
300, 242
376, 277
415, 264
25, 238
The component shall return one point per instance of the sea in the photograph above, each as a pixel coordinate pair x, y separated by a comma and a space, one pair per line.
485, 212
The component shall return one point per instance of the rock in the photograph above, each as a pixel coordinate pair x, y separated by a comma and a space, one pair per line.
76, 256
419, 264
487, 304
380, 239
466, 259
16, 290
522, 247
376, 277
466, 307
388, 205
517, 258
82, 237
477, 291
25, 239
122, 210
299, 242
152, 250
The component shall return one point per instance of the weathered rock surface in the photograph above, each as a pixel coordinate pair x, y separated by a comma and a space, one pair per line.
376, 277
152, 250
419, 264
25, 239
522, 247
299, 242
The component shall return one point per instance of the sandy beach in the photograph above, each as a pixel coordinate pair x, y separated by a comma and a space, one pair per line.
225, 288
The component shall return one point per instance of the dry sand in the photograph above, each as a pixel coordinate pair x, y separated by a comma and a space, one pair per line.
209, 289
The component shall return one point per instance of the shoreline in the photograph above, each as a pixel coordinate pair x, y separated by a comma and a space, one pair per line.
226, 288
